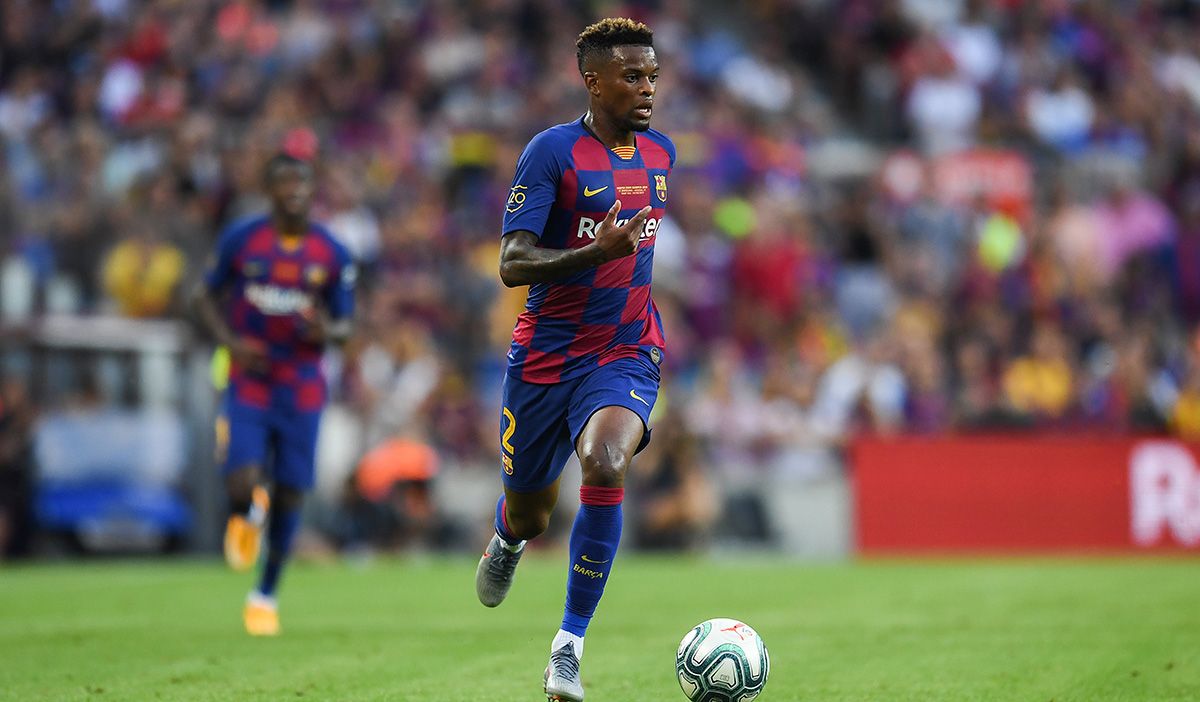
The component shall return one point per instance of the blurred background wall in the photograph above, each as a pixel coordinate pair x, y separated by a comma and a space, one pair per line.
891, 221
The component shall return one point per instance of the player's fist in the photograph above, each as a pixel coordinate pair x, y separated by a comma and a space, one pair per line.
619, 240
250, 354
312, 324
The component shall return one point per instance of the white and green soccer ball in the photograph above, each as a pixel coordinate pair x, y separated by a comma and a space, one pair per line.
722, 660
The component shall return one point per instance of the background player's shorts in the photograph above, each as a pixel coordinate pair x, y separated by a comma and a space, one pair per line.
540, 423
248, 435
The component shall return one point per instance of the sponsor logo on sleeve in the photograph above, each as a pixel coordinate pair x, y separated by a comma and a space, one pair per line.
516, 198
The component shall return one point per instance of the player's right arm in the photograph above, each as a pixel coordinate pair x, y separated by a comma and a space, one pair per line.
534, 190
523, 262
206, 301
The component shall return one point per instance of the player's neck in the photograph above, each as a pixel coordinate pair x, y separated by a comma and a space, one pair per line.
606, 131
290, 227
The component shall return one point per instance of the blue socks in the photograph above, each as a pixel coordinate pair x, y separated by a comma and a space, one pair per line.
502, 525
281, 531
593, 545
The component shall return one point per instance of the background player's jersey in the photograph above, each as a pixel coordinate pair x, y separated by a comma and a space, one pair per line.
271, 289
566, 181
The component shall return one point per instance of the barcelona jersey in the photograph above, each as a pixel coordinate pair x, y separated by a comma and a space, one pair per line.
273, 288
566, 181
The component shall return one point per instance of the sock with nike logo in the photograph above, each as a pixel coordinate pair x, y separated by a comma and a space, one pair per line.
593, 544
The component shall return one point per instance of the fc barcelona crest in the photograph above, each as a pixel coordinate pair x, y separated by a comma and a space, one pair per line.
660, 187
316, 276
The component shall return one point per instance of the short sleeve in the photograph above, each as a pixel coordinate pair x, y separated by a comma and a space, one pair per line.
220, 272
339, 295
534, 186
668, 146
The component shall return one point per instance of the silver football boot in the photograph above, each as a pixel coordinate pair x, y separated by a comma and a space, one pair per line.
562, 676
494, 575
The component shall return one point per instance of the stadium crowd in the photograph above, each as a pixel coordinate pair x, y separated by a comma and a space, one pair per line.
886, 215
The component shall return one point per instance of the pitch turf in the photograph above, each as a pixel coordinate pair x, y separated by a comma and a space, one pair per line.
1038, 630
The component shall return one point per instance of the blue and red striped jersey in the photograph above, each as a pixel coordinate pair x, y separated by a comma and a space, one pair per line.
565, 183
272, 287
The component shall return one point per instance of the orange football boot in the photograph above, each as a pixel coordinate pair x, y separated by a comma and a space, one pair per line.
243, 533
261, 615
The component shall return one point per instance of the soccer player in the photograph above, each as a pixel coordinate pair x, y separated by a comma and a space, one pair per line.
280, 288
583, 368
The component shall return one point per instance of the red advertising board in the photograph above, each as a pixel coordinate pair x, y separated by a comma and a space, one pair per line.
1025, 494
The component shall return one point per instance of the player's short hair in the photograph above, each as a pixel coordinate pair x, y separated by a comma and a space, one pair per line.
283, 160
609, 32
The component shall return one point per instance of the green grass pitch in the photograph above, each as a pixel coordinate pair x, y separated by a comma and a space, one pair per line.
1040, 630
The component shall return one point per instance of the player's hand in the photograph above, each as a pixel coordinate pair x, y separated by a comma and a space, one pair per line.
620, 241
318, 327
314, 325
250, 354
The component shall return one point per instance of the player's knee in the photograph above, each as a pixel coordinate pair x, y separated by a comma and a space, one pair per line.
240, 483
529, 524
603, 465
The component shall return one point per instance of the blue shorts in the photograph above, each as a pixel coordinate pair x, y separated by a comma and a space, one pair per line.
539, 423
248, 436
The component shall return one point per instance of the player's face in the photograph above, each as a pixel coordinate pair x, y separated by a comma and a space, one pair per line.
625, 85
291, 190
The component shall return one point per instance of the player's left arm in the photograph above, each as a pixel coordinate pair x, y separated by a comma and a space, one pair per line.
333, 320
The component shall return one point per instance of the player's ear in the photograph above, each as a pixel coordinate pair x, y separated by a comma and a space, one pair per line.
591, 80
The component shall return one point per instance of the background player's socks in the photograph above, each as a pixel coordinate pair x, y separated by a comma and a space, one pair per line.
256, 513
253, 509
280, 533
594, 539
562, 638
510, 542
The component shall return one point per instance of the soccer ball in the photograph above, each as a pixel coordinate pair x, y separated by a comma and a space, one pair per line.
722, 660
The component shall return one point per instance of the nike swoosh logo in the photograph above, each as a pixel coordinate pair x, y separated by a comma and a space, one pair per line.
585, 559
588, 192
634, 395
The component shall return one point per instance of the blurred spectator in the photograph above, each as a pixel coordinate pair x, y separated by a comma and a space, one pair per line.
350, 220
1075, 234
864, 389
803, 443
389, 505
974, 43
1061, 114
142, 273
725, 412
933, 238
673, 502
1186, 258
1185, 414
978, 402
1132, 222
398, 372
16, 467
943, 105
1041, 383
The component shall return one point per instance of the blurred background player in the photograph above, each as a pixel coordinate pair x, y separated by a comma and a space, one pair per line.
280, 289
583, 369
